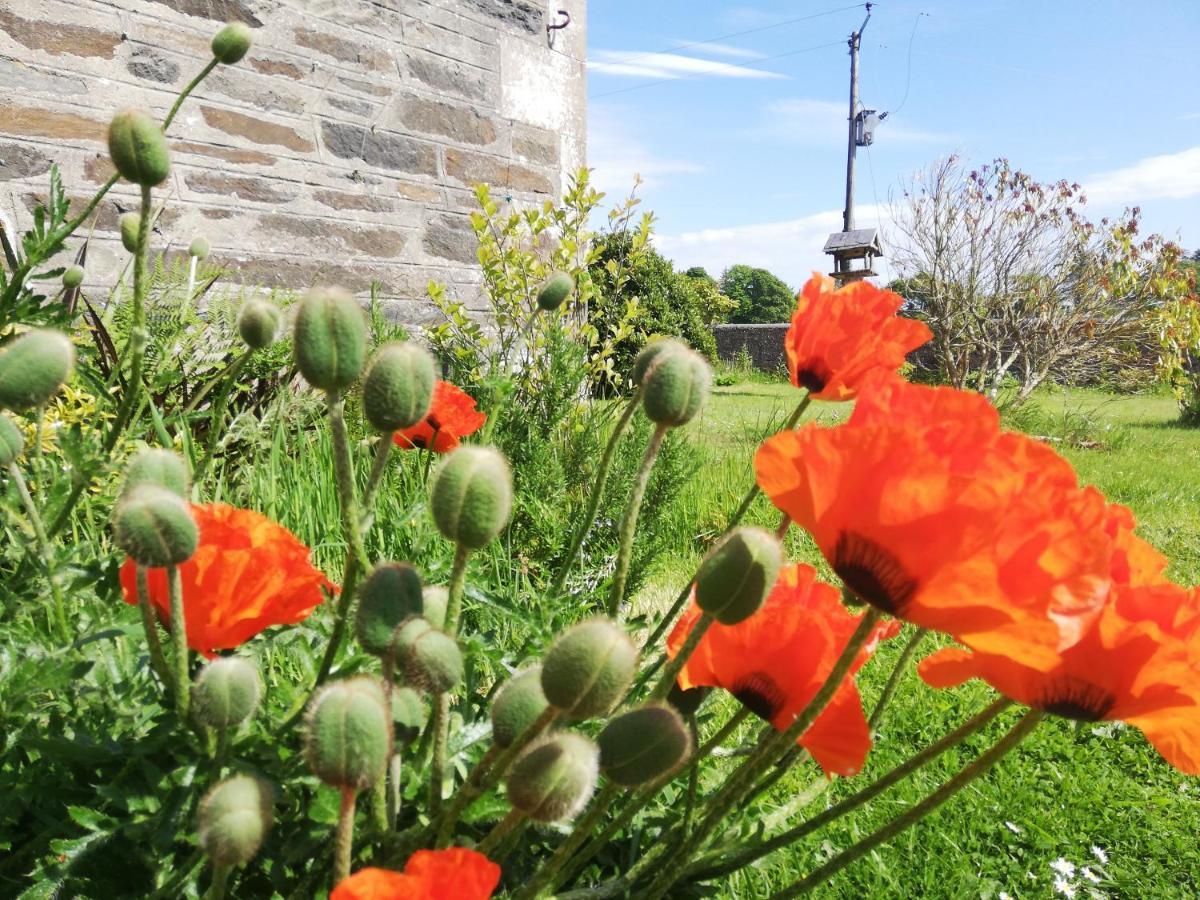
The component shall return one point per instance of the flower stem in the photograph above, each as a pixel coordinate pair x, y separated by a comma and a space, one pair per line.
341, 615
594, 498
458, 582
515, 819
183, 95
220, 881
440, 724
667, 678
343, 841
901, 667
547, 873
965, 776
179, 644
629, 521
216, 422
858, 799
43, 547
158, 661
344, 473
383, 450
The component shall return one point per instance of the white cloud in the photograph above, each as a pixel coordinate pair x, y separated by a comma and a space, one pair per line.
715, 49
667, 65
1172, 175
805, 121
615, 155
790, 248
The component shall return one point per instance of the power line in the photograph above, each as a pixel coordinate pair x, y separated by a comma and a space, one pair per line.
755, 68
908, 66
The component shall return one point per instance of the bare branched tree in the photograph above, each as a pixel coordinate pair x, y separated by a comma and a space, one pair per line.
1015, 282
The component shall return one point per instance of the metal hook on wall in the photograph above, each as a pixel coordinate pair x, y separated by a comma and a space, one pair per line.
554, 26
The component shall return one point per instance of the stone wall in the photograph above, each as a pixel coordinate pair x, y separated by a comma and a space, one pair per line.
342, 150
764, 344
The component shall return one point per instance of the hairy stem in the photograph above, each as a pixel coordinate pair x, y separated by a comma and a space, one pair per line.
515, 819
440, 723
629, 522
158, 661
179, 644
43, 548
546, 874
898, 672
383, 451
667, 678
220, 882
458, 582
343, 841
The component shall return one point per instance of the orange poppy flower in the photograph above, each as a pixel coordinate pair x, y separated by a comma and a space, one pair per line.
247, 574
453, 874
452, 416
932, 514
1137, 664
775, 662
838, 337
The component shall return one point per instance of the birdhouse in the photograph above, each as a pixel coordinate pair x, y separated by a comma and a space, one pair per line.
848, 246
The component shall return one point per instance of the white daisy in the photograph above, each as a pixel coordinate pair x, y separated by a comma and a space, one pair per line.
1099, 853
1090, 875
1012, 827
1064, 887
1063, 867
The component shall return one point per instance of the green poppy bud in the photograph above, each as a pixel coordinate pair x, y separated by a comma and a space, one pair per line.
331, 339
517, 706
676, 385
158, 467
73, 277
555, 290
644, 744
737, 574
234, 818
398, 387
258, 323
138, 148
471, 497
154, 527
408, 715
649, 353
129, 223
553, 779
435, 599
390, 595
11, 441
231, 43
588, 669
33, 368
199, 247
226, 692
348, 733
430, 660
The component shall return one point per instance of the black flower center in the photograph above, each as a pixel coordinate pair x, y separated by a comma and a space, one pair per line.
813, 374
873, 573
759, 693
1074, 698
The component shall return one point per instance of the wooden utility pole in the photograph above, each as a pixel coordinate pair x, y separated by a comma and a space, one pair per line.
852, 145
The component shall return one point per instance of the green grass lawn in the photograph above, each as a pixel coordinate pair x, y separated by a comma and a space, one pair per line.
1097, 796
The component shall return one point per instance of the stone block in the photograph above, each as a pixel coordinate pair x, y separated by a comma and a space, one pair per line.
330, 238
537, 145
236, 187
21, 161
32, 121
474, 168
458, 123
255, 129
215, 10
59, 38
451, 237
149, 64
521, 15
454, 78
18, 77
380, 149
353, 51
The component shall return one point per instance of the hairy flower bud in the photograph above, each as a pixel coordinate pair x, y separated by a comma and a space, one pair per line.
154, 527
435, 599
408, 715
258, 323
649, 353
644, 744
138, 148
390, 595
553, 779
158, 467
737, 574
234, 818
73, 277
398, 386
555, 290
676, 385
588, 669
33, 367
471, 498
348, 733
331, 339
517, 706
11, 441
430, 660
226, 692
128, 224
231, 43
199, 248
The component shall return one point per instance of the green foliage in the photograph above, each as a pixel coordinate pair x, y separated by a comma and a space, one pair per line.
759, 297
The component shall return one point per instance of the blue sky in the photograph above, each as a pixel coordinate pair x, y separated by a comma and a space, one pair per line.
747, 165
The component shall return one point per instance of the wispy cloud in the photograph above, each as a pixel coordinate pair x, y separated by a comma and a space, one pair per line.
806, 121
1171, 175
616, 155
667, 65
714, 49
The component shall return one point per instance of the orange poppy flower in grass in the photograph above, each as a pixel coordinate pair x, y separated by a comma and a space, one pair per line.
775, 662
839, 336
931, 513
1138, 664
247, 574
452, 416
453, 874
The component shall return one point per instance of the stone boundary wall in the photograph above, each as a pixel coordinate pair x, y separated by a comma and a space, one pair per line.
342, 150
764, 344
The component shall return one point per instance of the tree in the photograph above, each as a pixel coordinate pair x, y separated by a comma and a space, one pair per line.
701, 272
759, 295
1015, 283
